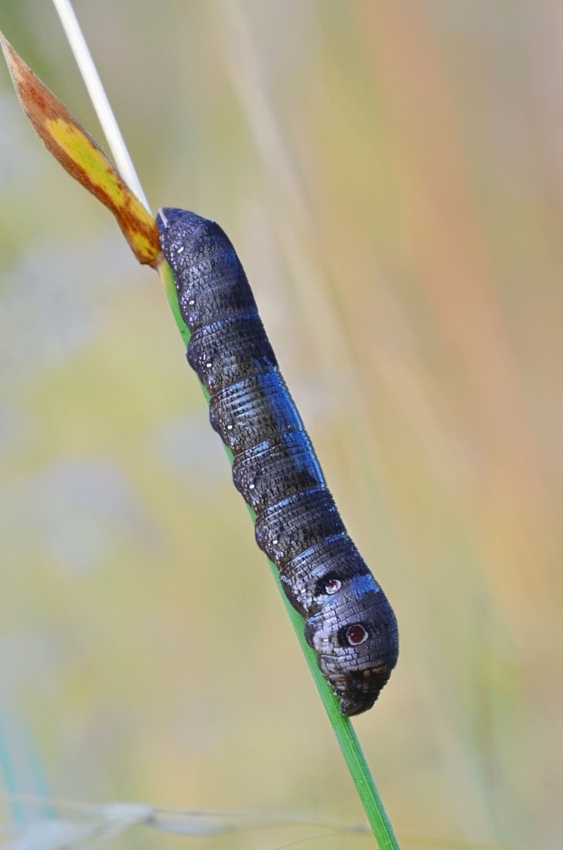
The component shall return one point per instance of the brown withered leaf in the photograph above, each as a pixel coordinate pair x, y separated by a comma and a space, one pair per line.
84, 160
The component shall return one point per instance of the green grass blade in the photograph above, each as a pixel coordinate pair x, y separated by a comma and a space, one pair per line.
343, 729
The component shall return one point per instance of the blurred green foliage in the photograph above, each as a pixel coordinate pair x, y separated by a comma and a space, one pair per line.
392, 177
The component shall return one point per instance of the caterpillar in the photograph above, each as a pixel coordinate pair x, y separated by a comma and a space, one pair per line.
349, 622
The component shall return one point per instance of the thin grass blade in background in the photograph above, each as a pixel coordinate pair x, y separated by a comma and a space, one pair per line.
20, 766
88, 825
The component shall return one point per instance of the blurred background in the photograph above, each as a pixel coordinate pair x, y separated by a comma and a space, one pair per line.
392, 177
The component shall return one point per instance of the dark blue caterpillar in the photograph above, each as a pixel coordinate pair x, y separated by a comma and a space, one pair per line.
349, 622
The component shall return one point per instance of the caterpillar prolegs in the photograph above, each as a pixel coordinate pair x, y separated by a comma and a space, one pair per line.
348, 620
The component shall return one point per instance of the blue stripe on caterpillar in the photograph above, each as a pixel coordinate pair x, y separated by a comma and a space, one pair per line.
348, 621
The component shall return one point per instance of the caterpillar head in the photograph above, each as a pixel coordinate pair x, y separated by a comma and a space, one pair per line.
354, 633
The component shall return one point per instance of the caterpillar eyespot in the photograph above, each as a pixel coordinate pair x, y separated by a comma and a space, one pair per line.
330, 585
348, 619
356, 634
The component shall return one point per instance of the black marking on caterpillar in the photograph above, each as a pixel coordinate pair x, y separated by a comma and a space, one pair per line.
349, 622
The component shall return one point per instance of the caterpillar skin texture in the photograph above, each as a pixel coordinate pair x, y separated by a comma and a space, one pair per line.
348, 620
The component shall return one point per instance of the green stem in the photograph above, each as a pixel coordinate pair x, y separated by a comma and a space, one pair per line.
343, 729
346, 737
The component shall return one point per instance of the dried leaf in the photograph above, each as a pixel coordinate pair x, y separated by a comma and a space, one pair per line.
79, 154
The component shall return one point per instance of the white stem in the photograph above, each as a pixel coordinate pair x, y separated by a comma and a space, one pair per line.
99, 98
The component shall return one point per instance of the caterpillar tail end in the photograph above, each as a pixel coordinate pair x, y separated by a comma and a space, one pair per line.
166, 215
